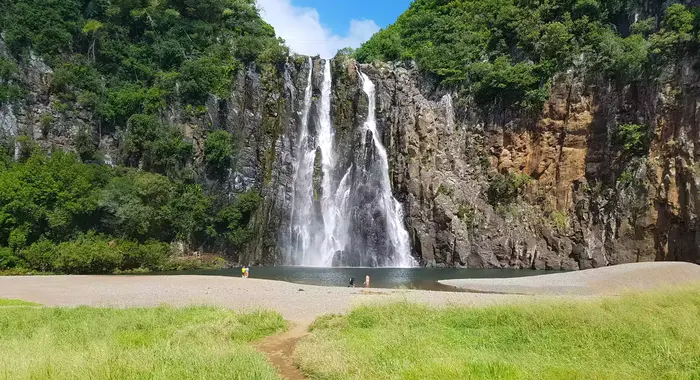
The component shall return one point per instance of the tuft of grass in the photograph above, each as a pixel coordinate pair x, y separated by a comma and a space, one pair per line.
643, 336
158, 343
4, 302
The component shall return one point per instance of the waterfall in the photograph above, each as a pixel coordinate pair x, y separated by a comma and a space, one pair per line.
302, 226
393, 212
334, 216
344, 213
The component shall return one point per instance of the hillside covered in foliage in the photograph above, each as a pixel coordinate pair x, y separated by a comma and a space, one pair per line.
120, 65
502, 54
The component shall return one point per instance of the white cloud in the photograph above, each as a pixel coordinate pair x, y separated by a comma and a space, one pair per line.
302, 30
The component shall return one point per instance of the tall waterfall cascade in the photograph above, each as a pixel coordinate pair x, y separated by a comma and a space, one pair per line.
343, 210
302, 226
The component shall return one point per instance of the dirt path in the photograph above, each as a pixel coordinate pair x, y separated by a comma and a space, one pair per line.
279, 350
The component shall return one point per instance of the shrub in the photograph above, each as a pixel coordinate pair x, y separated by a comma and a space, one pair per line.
218, 152
153, 145
233, 221
85, 145
467, 214
40, 256
505, 189
445, 190
559, 219
9, 79
89, 254
633, 139
151, 255
8, 260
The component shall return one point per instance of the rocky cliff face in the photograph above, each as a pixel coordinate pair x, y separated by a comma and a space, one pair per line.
587, 204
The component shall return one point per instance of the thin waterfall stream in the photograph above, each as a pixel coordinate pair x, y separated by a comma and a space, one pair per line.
397, 234
302, 226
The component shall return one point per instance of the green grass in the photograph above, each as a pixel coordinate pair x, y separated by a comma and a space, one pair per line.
652, 336
4, 302
158, 343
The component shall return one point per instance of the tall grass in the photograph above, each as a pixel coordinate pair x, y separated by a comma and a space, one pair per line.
5, 302
651, 336
159, 343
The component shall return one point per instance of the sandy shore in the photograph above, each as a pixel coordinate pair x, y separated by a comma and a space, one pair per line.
303, 303
299, 303
612, 280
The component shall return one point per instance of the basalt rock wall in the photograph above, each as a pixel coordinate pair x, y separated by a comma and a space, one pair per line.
587, 202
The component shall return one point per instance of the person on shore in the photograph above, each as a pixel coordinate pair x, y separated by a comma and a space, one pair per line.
352, 282
247, 272
243, 272
366, 284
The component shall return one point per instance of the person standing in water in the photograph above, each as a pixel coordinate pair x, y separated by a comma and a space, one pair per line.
366, 284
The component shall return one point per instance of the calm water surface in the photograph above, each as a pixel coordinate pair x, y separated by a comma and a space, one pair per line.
391, 278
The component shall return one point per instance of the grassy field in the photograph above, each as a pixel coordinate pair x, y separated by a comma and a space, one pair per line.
158, 343
652, 336
4, 302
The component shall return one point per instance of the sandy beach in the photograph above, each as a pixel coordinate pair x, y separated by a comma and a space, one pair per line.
303, 303
613, 280
298, 303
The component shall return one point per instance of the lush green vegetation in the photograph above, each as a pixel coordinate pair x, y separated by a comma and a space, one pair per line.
58, 214
633, 139
127, 64
504, 189
4, 302
504, 53
218, 152
125, 57
160, 343
645, 336
9, 78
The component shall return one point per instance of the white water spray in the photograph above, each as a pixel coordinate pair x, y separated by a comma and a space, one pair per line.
302, 226
398, 236
350, 218
332, 214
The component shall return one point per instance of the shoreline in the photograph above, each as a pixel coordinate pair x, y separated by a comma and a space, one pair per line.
304, 303
296, 303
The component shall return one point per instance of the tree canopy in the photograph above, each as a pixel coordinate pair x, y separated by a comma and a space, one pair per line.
504, 53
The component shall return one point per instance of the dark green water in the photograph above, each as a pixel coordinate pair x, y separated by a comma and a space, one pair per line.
391, 278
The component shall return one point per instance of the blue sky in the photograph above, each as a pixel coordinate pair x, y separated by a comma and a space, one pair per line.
321, 27
338, 13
